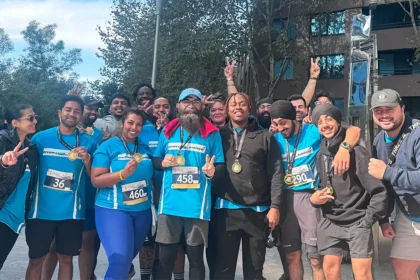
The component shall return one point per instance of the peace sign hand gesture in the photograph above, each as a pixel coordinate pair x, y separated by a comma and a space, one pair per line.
208, 168
105, 134
229, 70
77, 90
315, 69
10, 158
146, 107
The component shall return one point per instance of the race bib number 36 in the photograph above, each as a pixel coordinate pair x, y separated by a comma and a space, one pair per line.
302, 175
185, 177
135, 193
60, 181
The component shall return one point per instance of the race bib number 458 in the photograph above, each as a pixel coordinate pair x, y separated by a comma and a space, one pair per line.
60, 181
185, 177
135, 193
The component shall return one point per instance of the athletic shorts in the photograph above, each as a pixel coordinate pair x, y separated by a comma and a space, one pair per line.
89, 223
334, 240
298, 224
40, 233
171, 229
406, 243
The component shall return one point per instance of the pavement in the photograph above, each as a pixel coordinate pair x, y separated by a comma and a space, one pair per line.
15, 266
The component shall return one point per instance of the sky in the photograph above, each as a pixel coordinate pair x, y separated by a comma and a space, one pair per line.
76, 20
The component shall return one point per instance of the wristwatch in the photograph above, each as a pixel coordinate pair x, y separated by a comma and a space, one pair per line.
345, 145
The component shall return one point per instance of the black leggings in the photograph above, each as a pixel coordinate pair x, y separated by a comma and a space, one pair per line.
167, 256
7, 240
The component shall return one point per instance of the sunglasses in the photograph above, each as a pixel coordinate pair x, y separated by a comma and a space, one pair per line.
30, 118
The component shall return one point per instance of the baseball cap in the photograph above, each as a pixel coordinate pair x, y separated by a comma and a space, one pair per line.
386, 98
91, 100
190, 92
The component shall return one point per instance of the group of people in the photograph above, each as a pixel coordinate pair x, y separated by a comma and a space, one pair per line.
167, 183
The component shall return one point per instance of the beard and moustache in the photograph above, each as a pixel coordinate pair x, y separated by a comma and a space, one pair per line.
190, 121
264, 120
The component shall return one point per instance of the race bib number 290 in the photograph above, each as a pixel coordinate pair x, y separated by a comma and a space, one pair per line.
60, 181
302, 175
185, 177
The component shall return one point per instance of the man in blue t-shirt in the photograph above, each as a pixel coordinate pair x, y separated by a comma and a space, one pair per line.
299, 145
58, 206
190, 153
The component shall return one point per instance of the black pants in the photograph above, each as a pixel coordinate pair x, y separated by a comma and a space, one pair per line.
7, 240
167, 256
231, 227
211, 249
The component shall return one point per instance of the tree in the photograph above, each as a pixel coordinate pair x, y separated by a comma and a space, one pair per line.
413, 5
6, 47
195, 38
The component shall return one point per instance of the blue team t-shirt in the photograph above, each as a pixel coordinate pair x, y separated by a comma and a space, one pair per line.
13, 212
150, 136
134, 192
60, 190
304, 170
185, 190
90, 190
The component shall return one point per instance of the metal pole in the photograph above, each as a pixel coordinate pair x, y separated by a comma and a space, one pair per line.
159, 4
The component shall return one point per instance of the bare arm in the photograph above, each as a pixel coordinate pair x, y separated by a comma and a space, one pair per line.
101, 178
231, 88
353, 136
309, 91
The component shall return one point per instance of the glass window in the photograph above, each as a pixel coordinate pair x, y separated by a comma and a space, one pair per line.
328, 24
398, 62
278, 27
285, 67
332, 66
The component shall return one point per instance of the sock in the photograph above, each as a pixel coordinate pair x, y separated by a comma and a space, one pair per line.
178, 276
145, 273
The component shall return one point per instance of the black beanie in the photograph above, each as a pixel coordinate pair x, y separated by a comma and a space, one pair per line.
328, 110
264, 100
283, 109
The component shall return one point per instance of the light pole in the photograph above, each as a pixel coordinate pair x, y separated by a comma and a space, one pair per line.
159, 4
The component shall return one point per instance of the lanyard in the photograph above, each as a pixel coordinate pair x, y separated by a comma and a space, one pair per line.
291, 160
328, 168
393, 156
238, 146
126, 147
182, 140
64, 143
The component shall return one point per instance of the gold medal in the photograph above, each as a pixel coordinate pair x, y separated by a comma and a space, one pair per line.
330, 189
236, 167
289, 179
72, 155
137, 157
180, 160
89, 131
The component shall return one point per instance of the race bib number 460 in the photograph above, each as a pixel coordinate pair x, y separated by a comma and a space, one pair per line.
185, 177
135, 193
60, 181
302, 175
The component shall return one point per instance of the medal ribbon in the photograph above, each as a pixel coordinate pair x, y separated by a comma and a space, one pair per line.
328, 168
291, 160
238, 146
126, 147
60, 138
393, 156
182, 140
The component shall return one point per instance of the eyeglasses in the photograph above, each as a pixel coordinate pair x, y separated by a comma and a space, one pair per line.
29, 118
195, 103
322, 102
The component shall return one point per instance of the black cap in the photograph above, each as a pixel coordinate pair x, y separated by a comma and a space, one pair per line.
91, 100
283, 109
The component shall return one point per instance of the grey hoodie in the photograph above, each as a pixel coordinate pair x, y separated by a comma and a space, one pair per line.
114, 126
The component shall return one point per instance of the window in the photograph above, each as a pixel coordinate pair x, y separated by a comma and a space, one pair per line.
392, 16
279, 26
285, 67
328, 24
332, 66
398, 62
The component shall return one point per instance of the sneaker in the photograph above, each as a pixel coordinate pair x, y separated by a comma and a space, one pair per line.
132, 272
284, 277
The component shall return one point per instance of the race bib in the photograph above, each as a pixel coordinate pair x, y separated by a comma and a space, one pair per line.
60, 181
302, 175
185, 177
135, 193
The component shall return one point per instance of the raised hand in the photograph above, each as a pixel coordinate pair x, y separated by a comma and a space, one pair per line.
162, 121
208, 168
77, 90
206, 99
146, 107
10, 158
105, 134
308, 118
315, 69
169, 161
82, 153
129, 168
229, 69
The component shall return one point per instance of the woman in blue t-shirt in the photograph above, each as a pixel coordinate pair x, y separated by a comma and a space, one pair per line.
122, 169
18, 170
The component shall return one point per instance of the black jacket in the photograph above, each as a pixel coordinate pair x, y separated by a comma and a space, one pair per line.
10, 176
358, 195
260, 182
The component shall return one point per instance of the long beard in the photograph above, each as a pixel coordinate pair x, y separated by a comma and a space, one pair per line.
190, 122
264, 121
